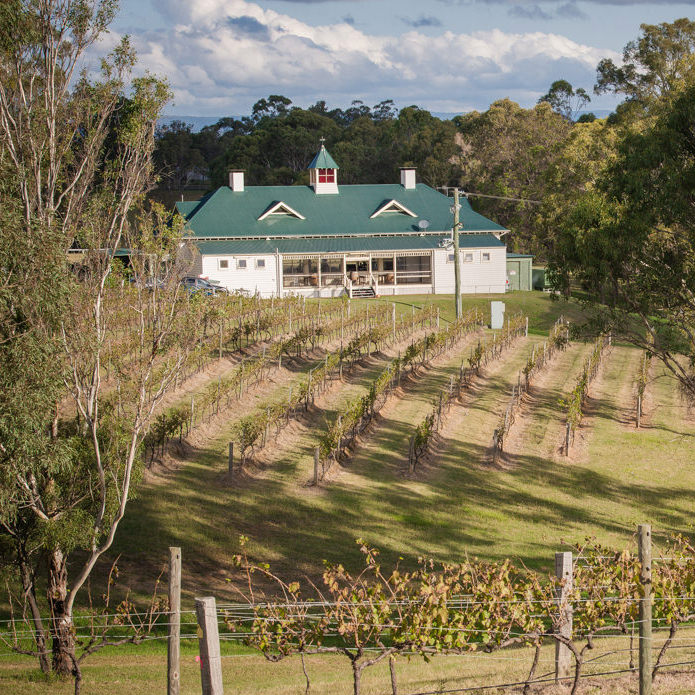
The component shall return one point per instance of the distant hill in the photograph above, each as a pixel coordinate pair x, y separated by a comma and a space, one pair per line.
196, 122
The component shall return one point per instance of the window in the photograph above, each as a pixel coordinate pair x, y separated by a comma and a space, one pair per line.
486, 257
332, 265
379, 264
241, 264
468, 258
300, 272
413, 270
224, 264
450, 258
260, 263
326, 175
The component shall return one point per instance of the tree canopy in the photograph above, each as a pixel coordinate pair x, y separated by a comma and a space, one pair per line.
623, 222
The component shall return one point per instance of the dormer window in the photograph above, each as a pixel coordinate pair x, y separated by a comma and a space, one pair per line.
326, 175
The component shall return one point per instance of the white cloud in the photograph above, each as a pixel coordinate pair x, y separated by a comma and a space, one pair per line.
221, 56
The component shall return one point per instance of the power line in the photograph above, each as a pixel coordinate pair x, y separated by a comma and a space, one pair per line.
495, 197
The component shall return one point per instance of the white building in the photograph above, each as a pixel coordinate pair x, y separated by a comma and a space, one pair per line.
326, 240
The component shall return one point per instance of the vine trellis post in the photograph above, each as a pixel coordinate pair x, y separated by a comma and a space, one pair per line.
644, 544
174, 636
209, 646
563, 655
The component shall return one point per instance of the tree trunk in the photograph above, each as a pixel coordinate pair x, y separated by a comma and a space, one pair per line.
392, 669
356, 675
29, 589
62, 634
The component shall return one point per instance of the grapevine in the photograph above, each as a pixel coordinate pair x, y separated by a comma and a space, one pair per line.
472, 606
574, 403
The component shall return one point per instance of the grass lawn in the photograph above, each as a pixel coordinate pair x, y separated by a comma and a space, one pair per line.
141, 670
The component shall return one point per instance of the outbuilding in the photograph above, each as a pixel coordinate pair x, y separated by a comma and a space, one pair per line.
519, 272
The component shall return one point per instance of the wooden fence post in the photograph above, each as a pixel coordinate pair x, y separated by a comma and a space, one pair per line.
563, 655
209, 646
645, 609
231, 458
639, 411
393, 320
174, 638
411, 454
568, 431
317, 456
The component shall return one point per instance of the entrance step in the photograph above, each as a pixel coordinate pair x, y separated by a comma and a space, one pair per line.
363, 292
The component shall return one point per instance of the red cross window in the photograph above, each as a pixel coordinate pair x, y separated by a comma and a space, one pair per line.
326, 175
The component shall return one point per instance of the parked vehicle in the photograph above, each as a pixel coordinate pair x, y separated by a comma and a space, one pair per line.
194, 284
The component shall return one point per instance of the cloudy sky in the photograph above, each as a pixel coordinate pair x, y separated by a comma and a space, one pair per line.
221, 56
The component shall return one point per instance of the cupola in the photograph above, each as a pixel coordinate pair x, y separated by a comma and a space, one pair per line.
323, 172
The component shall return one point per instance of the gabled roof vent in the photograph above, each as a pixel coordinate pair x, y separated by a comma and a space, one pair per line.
279, 208
392, 206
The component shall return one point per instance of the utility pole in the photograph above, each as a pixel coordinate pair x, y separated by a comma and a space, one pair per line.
457, 260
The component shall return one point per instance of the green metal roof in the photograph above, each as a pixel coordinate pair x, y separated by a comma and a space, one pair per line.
229, 214
519, 255
323, 160
412, 242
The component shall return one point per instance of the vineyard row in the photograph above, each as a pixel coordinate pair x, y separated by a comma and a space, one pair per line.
558, 340
421, 440
370, 330
359, 413
576, 400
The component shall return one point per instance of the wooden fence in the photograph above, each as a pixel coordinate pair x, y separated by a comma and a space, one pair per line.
209, 640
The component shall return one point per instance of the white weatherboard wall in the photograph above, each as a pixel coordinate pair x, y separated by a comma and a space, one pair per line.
477, 275
251, 279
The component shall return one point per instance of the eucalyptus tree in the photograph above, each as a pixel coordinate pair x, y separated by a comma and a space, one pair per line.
628, 238
660, 62
85, 357
507, 151
565, 99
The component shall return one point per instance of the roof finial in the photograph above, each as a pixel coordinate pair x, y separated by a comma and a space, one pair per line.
322, 140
